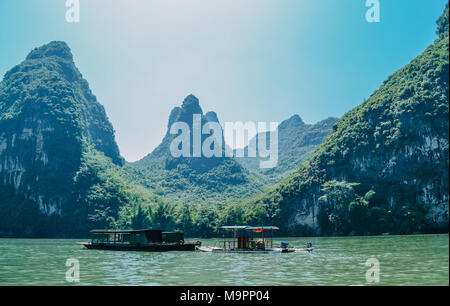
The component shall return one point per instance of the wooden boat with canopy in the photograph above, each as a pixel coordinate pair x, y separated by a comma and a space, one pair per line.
147, 240
244, 241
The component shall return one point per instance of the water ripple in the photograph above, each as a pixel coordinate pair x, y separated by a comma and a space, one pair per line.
404, 260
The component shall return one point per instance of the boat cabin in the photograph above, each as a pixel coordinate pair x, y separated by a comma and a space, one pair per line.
135, 237
248, 237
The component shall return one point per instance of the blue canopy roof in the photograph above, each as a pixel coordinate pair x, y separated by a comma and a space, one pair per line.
234, 227
245, 227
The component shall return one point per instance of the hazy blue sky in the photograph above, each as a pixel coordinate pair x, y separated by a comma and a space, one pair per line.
248, 60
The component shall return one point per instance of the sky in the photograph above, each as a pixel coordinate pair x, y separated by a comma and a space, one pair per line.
247, 60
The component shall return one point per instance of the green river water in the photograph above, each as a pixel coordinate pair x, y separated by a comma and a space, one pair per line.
403, 260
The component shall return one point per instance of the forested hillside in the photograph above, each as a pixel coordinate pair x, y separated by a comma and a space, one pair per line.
383, 168
195, 179
61, 172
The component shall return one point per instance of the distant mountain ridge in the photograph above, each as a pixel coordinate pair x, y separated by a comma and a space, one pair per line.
296, 142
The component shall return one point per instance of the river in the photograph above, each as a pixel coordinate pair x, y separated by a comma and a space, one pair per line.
403, 260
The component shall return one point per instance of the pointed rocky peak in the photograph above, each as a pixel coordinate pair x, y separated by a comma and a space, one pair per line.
73, 104
293, 122
54, 48
191, 105
296, 119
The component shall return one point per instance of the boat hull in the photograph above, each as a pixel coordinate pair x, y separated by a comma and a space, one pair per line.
264, 251
163, 247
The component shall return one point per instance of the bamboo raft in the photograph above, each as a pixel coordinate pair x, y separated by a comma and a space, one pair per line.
244, 242
255, 251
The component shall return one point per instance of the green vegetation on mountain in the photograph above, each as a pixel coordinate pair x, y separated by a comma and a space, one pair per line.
61, 172
296, 142
195, 180
382, 168
385, 161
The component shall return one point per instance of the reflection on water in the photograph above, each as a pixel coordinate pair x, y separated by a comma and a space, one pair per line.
404, 260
